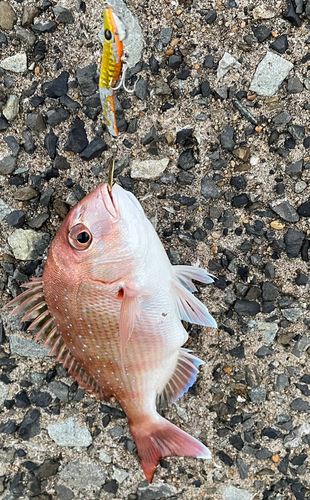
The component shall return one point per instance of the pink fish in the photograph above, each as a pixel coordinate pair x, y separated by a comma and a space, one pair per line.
110, 306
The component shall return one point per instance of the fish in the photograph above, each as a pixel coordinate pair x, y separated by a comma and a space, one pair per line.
114, 33
110, 306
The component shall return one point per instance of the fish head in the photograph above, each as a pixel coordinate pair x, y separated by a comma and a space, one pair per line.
101, 237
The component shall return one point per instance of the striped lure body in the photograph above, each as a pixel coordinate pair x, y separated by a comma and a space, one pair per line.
110, 305
114, 32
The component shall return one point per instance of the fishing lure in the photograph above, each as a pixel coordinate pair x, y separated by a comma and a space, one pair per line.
113, 65
110, 306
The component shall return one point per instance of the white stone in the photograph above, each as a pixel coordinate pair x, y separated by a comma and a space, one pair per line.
105, 457
4, 391
232, 493
260, 12
227, 63
68, 433
16, 63
119, 474
83, 476
11, 108
269, 329
28, 244
148, 169
269, 74
27, 347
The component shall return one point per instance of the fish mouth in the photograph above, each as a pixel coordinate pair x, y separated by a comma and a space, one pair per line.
109, 201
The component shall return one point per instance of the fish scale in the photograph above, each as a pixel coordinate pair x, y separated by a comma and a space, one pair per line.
115, 310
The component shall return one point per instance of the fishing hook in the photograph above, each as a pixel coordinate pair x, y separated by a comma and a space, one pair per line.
111, 172
122, 82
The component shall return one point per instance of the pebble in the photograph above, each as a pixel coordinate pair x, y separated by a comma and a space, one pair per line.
187, 159
46, 27
148, 491
16, 218
141, 88
233, 493
11, 109
247, 307
7, 165
63, 492
27, 244
60, 390
35, 121
269, 74
56, 116
8, 16
105, 457
294, 85
25, 36
83, 475
16, 63
227, 63
94, 149
293, 240
227, 138
26, 347
57, 87
50, 143
68, 433
209, 188
77, 140
282, 382
304, 209
292, 314
268, 329
299, 404
258, 395
30, 426
299, 187
4, 391
63, 15
13, 144
280, 44
148, 169
4, 210
86, 78
119, 474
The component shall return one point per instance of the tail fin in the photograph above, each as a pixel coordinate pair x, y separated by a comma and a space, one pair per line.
156, 438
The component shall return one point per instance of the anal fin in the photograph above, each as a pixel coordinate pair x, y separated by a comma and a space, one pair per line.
183, 377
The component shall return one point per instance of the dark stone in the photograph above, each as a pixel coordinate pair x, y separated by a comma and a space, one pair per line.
293, 241
13, 144
183, 200
63, 492
141, 89
110, 486
184, 134
50, 143
247, 307
304, 209
239, 200
133, 126
46, 27
280, 44
227, 138
39, 50
271, 433
68, 102
185, 178
291, 15
237, 352
209, 62
299, 404
22, 400
57, 87
63, 15
35, 121
150, 137
56, 116
77, 139
301, 279
174, 61
79, 193
41, 399
238, 182
36, 101
94, 149
261, 33
29, 144
87, 79
61, 163
306, 143
208, 224
269, 291
47, 469
184, 74
16, 218
205, 89
225, 458
30, 426
263, 454
210, 16
8, 427
236, 441
264, 351
187, 159
3, 124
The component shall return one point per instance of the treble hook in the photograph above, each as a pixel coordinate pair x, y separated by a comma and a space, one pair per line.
122, 82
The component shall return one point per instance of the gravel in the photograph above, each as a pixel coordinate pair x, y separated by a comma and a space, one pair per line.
214, 143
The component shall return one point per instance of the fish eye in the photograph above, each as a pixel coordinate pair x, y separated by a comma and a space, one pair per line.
108, 35
79, 237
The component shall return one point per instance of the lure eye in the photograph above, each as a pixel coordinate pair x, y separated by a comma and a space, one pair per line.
108, 35
79, 237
